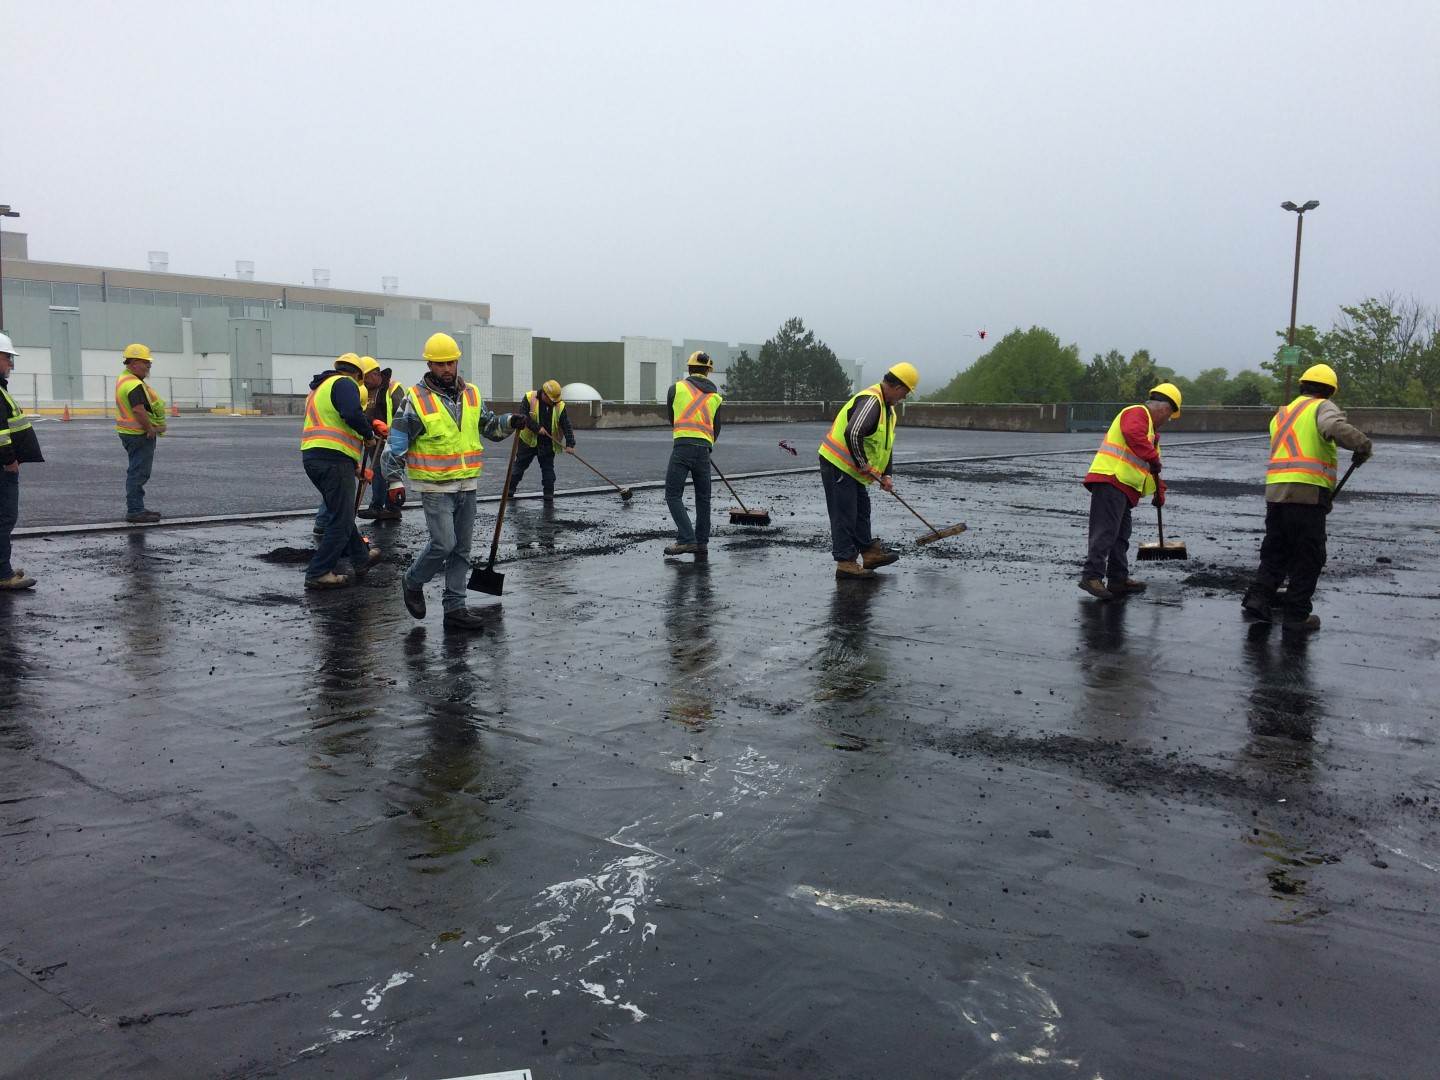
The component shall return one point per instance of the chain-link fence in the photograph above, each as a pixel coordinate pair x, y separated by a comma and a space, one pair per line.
38, 391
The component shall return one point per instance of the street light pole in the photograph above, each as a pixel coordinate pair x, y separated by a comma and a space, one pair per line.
1299, 212
5, 212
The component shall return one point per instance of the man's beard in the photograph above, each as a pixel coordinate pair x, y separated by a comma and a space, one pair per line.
446, 380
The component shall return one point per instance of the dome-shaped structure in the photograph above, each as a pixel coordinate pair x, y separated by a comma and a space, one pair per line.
579, 391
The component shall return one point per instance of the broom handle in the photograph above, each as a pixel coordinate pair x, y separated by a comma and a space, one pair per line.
576, 455
913, 511
504, 498
743, 507
1160, 524
1340, 485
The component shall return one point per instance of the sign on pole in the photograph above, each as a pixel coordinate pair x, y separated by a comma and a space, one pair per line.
1290, 356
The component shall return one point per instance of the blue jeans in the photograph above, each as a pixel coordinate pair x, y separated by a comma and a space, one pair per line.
689, 457
142, 457
849, 505
9, 514
450, 517
335, 480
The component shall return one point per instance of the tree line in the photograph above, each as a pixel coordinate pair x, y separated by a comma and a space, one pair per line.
1385, 351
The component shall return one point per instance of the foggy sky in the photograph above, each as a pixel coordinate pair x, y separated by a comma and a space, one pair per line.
899, 175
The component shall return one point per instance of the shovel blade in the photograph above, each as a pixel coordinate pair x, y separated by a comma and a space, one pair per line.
940, 534
483, 579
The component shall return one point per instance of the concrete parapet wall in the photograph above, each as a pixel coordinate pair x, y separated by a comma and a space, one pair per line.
1041, 418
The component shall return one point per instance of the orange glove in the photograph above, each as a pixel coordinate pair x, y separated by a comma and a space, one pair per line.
369, 475
380, 428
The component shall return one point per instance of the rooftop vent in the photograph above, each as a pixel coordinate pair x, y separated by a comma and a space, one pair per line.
159, 261
321, 278
244, 269
390, 285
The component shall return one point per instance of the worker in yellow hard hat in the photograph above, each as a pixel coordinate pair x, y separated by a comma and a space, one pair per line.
693, 405
1299, 486
855, 453
545, 423
437, 435
18, 446
333, 440
1126, 468
139, 421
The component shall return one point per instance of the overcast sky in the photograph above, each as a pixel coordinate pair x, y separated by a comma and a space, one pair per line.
900, 175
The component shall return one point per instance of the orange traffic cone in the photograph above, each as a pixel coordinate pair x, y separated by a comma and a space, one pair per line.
66, 414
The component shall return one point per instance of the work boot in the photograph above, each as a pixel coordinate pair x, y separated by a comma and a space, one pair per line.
361, 571
1255, 606
1096, 588
464, 619
876, 556
414, 600
369, 513
330, 580
386, 513
17, 581
548, 496
1303, 626
851, 568
683, 549
143, 517
1128, 585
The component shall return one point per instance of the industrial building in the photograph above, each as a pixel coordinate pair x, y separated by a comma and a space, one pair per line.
218, 341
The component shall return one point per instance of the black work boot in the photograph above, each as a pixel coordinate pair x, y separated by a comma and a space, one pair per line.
464, 619
414, 600
1295, 624
1255, 606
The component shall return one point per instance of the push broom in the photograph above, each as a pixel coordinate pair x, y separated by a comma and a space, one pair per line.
743, 516
1173, 550
934, 533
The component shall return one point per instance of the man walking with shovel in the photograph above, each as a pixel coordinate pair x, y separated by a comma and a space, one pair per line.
854, 454
437, 435
1299, 491
1126, 468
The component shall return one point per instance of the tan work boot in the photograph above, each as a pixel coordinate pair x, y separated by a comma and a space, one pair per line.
683, 549
876, 556
331, 580
16, 581
850, 568
1096, 588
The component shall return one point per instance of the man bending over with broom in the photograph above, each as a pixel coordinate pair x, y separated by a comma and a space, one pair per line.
1126, 468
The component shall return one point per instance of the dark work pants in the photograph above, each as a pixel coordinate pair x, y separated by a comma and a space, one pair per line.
1293, 550
848, 502
1109, 534
545, 451
689, 458
9, 514
334, 478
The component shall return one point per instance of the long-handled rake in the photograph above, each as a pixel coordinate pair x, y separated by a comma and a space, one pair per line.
1175, 549
743, 516
934, 533
485, 578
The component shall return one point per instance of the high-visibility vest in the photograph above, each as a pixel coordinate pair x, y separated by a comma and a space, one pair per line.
324, 429
392, 402
443, 451
1114, 457
1299, 454
693, 414
878, 444
18, 421
125, 421
532, 405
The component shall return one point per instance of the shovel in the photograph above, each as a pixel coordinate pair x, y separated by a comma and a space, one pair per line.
934, 533
486, 579
743, 516
1173, 550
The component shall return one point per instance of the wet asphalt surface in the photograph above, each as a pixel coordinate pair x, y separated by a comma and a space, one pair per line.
733, 818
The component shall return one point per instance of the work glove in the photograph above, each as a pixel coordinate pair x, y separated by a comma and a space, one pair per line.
368, 475
570, 449
1363, 454
1158, 500
517, 421
396, 494
1155, 467
381, 428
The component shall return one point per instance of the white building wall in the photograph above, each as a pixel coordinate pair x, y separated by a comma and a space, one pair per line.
299, 370
488, 341
647, 350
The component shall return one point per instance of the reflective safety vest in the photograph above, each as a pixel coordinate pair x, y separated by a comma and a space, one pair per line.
18, 421
1299, 454
693, 414
532, 404
125, 421
878, 444
1115, 459
324, 429
443, 451
393, 399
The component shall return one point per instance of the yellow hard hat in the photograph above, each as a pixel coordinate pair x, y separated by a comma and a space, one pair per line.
552, 389
348, 358
700, 359
1323, 374
367, 364
1170, 392
906, 373
136, 352
364, 397
441, 349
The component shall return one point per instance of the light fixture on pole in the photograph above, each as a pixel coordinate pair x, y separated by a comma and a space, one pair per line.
5, 212
1291, 357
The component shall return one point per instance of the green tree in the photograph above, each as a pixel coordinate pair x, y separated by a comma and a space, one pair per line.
1207, 388
1024, 365
1249, 388
794, 365
1312, 351
1112, 377
1376, 347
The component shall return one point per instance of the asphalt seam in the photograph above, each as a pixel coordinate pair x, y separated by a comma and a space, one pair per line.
642, 485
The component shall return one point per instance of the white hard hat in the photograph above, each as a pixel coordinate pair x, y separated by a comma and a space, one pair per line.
7, 346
